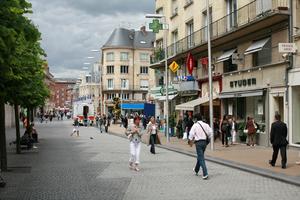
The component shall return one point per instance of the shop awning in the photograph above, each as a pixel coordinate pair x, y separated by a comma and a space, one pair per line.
256, 46
163, 98
226, 55
249, 93
132, 106
191, 104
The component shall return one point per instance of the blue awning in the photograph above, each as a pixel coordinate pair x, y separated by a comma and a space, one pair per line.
132, 106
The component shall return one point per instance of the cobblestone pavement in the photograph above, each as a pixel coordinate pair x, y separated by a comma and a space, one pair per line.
95, 166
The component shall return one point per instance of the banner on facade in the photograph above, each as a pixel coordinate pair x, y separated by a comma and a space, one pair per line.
190, 63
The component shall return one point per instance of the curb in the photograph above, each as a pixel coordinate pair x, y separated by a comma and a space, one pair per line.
232, 164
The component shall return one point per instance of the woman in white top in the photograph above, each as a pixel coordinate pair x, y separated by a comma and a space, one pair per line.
134, 134
233, 130
152, 130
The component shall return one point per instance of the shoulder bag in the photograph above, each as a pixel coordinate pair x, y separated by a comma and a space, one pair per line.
207, 138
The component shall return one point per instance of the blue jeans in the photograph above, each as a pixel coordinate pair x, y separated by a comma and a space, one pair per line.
200, 148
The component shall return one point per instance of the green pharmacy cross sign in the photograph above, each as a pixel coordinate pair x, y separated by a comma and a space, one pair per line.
155, 26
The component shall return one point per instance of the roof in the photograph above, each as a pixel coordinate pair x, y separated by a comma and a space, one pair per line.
122, 37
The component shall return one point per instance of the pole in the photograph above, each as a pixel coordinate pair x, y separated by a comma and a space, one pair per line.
166, 80
121, 95
100, 83
210, 75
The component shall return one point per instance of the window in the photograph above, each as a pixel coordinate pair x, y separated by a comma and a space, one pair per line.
124, 84
174, 7
264, 56
124, 96
205, 22
124, 56
111, 96
232, 14
228, 66
110, 56
175, 39
144, 95
144, 57
110, 83
124, 69
143, 70
189, 32
110, 69
144, 84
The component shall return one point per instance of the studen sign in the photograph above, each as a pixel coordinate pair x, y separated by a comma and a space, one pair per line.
243, 83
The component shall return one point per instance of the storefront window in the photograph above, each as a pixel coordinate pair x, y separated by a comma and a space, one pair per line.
296, 115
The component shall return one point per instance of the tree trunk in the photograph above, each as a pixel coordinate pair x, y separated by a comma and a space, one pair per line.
18, 146
31, 115
3, 153
28, 119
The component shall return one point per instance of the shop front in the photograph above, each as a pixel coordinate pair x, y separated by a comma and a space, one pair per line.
294, 105
258, 94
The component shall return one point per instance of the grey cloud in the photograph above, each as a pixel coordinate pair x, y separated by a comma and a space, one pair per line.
68, 33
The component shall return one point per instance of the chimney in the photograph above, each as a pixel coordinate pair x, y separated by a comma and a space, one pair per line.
143, 30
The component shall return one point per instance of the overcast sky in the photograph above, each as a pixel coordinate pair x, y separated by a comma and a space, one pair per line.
71, 28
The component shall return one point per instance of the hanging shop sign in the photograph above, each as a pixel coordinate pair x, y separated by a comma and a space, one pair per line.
190, 63
243, 83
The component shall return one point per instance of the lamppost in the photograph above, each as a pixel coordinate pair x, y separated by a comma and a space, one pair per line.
210, 75
121, 95
156, 26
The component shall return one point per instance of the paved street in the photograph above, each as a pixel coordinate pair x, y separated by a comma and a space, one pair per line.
65, 167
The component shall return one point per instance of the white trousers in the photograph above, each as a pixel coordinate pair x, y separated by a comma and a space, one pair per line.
233, 134
135, 148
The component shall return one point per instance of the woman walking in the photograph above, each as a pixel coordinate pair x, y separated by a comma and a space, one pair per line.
225, 128
251, 127
152, 130
233, 130
134, 134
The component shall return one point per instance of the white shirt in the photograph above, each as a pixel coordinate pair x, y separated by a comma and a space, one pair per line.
197, 132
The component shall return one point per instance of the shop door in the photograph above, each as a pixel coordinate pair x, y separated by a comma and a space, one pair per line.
277, 107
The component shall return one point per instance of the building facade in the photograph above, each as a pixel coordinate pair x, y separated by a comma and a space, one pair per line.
249, 73
50, 83
63, 93
125, 67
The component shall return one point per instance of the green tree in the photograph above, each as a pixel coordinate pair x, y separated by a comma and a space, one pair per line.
21, 77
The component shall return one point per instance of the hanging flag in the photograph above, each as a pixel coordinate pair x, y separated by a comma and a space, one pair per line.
190, 63
174, 66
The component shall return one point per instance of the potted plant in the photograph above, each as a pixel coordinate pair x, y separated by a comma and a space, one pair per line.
242, 134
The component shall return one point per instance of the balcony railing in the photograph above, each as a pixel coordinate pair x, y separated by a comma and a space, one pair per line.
129, 87
253, 11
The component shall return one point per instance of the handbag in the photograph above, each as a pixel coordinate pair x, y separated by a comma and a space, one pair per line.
207, 138
184, 135
246, 131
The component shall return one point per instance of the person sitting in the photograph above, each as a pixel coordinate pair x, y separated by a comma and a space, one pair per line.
27, 140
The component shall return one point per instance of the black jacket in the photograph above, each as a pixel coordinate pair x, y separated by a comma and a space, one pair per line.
278, 134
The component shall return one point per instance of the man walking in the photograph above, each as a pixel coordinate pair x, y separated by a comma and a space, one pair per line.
199, 133
278, 141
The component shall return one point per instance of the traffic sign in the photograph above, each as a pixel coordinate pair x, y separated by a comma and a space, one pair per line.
174, 66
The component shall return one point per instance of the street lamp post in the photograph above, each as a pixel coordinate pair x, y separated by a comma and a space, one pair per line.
156, 26
210, 75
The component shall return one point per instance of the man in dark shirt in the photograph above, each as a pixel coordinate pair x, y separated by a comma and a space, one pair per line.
279, 141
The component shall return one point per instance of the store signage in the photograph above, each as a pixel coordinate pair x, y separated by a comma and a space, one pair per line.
155, 26
190, 63
287, 48
243, 83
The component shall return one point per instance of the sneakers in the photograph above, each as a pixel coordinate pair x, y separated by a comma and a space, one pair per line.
196, 173
137, 169
205, 177
131, 166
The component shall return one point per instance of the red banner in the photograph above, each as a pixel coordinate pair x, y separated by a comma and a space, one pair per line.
190, 63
